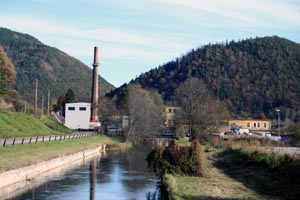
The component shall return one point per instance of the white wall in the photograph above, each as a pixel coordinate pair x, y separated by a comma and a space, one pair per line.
78, 115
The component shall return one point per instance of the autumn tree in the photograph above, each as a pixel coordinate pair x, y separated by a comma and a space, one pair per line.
145, 112
9, 97
7, 71
202, 112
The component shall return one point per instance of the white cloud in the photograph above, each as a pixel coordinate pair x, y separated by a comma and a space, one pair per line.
245, 11
116, 42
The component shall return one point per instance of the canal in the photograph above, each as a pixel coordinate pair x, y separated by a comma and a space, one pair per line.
113, 175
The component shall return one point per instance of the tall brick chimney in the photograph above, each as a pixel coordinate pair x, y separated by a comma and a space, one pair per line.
94, 99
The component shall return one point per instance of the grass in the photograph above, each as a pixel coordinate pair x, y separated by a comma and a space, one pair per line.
228, 177
183, 141
218, 185
54, 125
14, 124
239, 169
12, 157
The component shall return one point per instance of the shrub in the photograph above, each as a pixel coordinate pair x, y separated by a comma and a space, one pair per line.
154, 160
179, 160
199, 157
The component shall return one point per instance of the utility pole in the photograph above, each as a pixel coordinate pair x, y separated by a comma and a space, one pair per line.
278, 111
25, 107
48, 103
36, 96
42, 106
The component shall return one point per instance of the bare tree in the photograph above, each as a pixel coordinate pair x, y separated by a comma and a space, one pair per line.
200, 111
107, 109
145, 112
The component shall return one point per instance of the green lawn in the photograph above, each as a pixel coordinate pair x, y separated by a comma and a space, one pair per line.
54, 125
12, 157
183, 141
20, 125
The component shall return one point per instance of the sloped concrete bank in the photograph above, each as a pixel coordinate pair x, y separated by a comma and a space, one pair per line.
14, 180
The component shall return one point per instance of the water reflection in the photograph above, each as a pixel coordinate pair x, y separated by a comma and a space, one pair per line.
116, 175
92, 179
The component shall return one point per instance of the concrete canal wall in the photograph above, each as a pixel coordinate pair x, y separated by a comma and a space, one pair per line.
10, 180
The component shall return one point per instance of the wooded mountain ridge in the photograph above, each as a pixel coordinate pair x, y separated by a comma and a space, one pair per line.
54, 69
253, 76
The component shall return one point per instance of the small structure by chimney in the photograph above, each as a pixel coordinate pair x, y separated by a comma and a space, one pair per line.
94, 99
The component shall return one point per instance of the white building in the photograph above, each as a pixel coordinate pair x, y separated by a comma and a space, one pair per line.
77, 115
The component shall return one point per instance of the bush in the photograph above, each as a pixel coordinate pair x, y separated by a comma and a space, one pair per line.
179, 160
199, 157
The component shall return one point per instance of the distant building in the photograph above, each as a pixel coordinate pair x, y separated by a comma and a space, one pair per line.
78, 115
120, 121
255, 125
117, 124
170, 115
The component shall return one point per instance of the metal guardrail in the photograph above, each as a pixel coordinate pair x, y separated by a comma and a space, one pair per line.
36, 139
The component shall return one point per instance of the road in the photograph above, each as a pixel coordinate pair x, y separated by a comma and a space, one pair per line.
284, 150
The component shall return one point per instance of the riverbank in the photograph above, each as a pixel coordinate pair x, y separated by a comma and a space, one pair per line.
13, 157
239, 172
218, 185
32, 172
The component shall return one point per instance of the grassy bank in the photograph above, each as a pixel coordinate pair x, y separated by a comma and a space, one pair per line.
20, 125
12, 157
218, 185
239, 172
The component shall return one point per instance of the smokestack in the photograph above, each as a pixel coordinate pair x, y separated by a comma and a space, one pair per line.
94, 99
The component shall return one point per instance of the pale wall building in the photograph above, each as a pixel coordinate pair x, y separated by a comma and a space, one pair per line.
252, 124
77, 115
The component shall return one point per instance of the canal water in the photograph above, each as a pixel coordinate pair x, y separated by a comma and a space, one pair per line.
114, 175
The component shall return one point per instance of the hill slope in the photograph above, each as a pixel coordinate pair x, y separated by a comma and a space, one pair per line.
53, 68
253, 76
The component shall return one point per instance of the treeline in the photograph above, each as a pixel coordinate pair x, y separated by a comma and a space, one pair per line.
253, 76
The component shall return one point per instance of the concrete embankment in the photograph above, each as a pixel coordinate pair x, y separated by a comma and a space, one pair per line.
14, 180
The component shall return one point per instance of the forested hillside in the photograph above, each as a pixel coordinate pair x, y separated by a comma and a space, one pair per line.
53, 69
252, 76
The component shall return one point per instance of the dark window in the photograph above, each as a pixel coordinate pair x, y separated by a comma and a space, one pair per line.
170, 110
82, 108
71, 108
174, 110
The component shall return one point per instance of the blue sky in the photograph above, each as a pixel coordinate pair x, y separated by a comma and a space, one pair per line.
134, 36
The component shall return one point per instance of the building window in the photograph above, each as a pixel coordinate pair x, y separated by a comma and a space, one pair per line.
265, 125
71, 108
170, 110
174, 110
248, 125
82, 108
258, 125
254, 125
